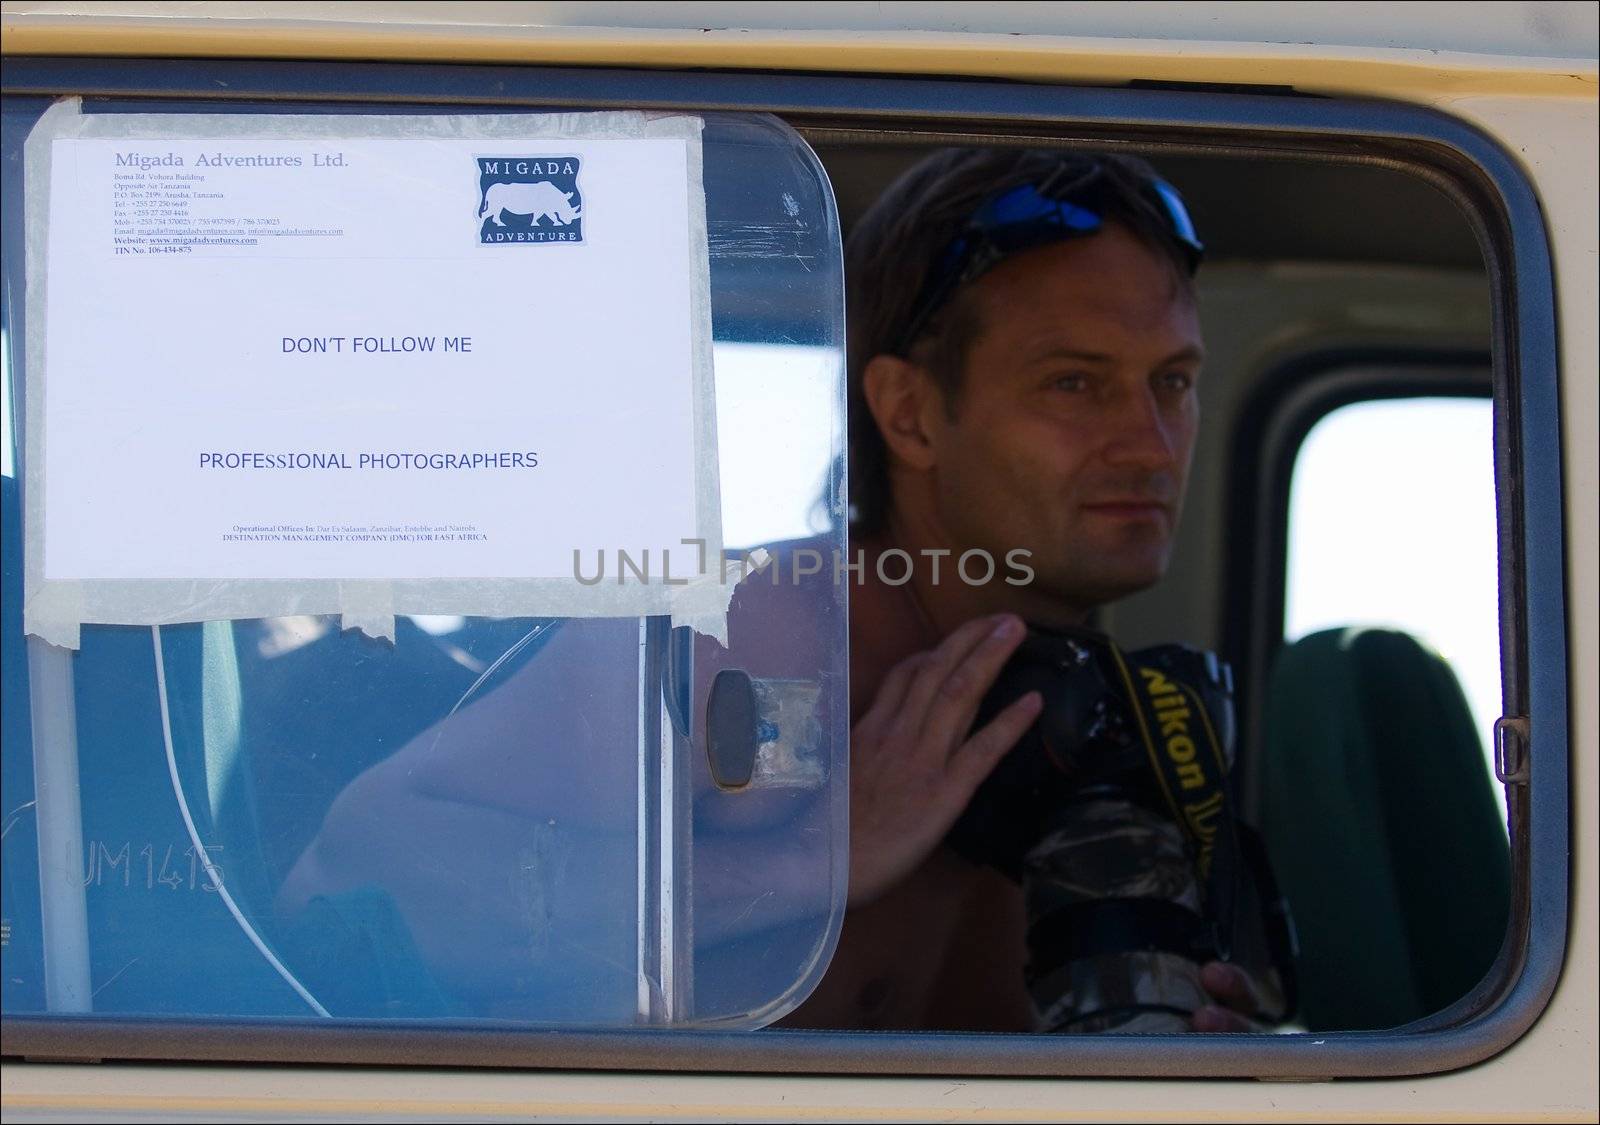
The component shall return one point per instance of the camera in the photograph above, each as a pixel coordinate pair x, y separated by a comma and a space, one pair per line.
1113, 813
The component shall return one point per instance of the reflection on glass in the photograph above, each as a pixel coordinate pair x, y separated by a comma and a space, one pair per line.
462, 823
486, 857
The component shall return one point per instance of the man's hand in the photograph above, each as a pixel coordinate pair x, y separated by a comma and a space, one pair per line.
913, 767
1242, 1004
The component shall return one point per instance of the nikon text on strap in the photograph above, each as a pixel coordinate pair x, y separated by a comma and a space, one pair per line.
1188, 763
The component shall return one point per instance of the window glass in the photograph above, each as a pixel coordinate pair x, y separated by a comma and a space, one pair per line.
487, 817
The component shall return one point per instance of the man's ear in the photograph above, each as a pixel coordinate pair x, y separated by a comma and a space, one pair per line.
899, 393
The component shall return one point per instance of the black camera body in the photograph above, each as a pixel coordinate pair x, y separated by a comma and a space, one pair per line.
1113, 814
1086, 736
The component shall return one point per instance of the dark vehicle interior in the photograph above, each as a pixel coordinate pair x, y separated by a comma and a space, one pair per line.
1325, 284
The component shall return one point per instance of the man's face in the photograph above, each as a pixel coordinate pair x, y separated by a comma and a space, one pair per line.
1073, 429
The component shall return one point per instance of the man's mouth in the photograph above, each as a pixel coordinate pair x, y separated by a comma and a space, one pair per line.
1128, 509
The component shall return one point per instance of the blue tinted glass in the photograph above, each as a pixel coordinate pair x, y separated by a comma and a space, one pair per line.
487, 818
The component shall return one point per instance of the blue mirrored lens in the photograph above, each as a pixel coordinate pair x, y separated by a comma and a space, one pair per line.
1024, 205
1177, 213
1020, 219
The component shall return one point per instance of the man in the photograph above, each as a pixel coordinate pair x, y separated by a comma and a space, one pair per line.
1037, 399
1024, 354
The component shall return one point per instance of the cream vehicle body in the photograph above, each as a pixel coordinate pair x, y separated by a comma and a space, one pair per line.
1524, 75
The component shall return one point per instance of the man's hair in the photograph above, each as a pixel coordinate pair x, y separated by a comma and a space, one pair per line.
899, 241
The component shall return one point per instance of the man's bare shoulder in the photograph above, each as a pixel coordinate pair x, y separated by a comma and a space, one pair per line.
885, 627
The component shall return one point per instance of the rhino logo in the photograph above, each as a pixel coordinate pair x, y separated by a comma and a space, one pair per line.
536, 202
525, 199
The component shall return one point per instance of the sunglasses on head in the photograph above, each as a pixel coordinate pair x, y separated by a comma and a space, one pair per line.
1026, 216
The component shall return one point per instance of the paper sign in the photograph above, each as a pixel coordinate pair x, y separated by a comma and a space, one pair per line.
386, 358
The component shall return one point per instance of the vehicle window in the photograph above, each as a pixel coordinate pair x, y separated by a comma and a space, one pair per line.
1379, 710
547, 819
1392, 525
504, 808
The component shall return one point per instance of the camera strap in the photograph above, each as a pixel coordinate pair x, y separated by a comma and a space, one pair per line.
1188, 762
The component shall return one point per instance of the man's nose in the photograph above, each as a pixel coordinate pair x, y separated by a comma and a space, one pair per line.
1139, 433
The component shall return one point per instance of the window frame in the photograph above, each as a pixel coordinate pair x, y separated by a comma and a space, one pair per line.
1466, 164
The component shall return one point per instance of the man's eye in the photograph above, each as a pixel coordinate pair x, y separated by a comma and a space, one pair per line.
1071, 383
1175, 381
